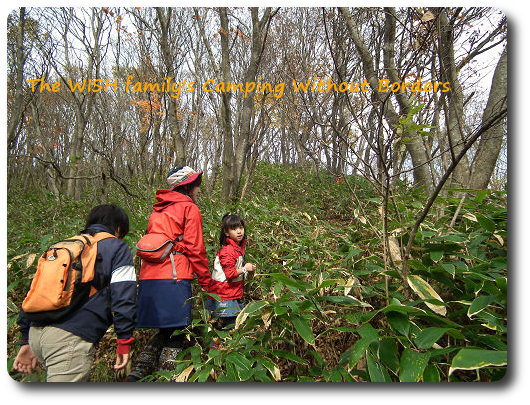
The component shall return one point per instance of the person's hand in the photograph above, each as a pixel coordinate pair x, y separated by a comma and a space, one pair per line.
25, 361
121, 361
250, 267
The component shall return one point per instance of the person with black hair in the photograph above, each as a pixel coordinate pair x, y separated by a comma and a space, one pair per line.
66, 348
230, 270
165, 290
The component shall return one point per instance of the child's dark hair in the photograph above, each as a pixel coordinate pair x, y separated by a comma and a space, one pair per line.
230, 221
112, 216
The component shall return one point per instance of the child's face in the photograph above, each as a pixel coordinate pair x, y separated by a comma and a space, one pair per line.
236, 234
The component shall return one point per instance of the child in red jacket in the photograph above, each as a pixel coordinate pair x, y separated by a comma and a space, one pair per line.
229, 271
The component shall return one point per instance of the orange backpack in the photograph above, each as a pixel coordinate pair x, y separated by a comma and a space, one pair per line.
63, 280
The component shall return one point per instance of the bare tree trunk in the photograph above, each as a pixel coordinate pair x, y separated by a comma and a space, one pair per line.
83, 103
243, 142
51, 176
414, 145
173, 103
226, 112
284, 142
455, 98
73, 188
15, 117
491, 141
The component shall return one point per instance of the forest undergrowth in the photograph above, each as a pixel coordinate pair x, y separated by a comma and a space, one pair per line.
328, 302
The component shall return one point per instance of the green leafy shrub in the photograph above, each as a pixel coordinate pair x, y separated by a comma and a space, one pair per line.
323, 305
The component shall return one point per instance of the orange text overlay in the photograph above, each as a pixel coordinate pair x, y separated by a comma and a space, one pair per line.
176, 88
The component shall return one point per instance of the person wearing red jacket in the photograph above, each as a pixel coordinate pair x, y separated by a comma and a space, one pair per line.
229, 272
164, 289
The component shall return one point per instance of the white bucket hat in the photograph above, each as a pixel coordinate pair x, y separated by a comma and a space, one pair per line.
182, 175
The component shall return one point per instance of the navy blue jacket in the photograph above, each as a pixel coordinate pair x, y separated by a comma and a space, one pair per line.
114, 303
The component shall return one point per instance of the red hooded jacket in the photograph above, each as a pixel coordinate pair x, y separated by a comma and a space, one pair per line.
226, 282
173, 215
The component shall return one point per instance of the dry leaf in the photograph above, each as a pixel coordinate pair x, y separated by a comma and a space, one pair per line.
425, 291
354, 283
183, 377
499, 238
320, 281
241, 317
266, 317
277, 375
30, 260
396, 231
18, 257
395, 252
428, 16
471, 217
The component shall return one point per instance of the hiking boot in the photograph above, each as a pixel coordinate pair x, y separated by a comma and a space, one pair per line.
145, 363
168, 357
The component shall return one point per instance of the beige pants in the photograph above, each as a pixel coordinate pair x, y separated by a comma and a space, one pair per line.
66, 357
